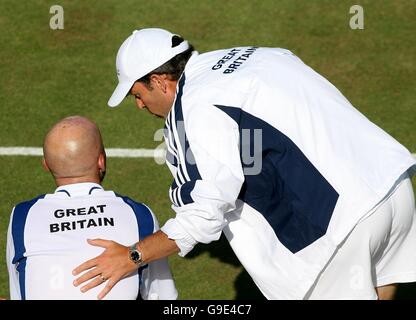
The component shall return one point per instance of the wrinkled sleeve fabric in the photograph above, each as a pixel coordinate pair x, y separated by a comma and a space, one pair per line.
208, 178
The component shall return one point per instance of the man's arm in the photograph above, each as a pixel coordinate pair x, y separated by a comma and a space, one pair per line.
156, 278
14, 287
199, 200
114, 263
208, 178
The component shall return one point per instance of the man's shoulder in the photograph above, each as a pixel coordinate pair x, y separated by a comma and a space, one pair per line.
29, 203
21, 210
147, 220
136, 206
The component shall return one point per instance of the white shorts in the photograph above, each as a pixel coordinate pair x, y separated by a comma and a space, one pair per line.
381, 250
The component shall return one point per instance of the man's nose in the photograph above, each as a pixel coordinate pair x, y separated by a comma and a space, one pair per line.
140, 104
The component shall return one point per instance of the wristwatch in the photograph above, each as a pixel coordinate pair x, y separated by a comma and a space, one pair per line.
135, 255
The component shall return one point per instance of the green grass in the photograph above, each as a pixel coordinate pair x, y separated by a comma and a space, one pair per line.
46, 75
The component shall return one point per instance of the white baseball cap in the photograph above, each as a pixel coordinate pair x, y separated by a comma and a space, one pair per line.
141, 53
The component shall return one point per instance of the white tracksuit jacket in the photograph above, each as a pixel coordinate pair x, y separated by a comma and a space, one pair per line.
265, 149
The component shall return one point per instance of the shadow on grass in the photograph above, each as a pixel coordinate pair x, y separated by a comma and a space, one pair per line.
244, 285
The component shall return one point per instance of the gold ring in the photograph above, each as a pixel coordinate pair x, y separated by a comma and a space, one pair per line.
103, 278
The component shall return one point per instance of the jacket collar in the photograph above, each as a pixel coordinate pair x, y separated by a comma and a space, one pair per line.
79, 189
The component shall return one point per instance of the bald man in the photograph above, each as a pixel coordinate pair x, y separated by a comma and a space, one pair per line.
47, 235
74, 152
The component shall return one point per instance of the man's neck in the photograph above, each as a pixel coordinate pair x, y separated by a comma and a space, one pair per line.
71, 180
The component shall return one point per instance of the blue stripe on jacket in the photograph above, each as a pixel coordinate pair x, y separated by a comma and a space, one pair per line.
144, 221
190, 166
292, 195
18, 228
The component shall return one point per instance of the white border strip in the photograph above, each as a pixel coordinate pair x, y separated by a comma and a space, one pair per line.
21, 151
111, 152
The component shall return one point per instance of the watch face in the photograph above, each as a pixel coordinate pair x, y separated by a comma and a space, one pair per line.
135, 256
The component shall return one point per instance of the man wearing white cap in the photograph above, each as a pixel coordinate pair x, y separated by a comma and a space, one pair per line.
315, 200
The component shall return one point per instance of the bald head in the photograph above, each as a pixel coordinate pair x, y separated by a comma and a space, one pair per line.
72, 150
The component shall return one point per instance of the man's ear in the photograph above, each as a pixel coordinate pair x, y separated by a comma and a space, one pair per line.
102, 161
45, 165
101, 165
159, 80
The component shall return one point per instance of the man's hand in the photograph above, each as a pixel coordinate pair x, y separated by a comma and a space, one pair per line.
111, 266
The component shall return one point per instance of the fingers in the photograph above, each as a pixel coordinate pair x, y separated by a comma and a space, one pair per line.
110, 284
92, 284
93, 262
85, 266
111, 265
88, 276
99, 242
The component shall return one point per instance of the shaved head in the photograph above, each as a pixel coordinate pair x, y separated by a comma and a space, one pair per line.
72, 149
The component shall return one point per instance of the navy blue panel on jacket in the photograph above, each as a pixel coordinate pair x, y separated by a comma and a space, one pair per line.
289, 191
18, 227
143, 216
189, 164
146, 226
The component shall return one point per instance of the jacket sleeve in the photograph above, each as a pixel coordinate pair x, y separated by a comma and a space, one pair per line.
156, 278
208, 179
14, 287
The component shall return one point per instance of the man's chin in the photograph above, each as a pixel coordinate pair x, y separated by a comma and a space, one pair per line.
156, 115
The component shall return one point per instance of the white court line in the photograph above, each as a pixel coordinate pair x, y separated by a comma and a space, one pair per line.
111, 152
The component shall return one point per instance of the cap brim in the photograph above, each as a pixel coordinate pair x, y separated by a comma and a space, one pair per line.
119, 93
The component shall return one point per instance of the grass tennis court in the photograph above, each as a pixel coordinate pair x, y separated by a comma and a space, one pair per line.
46, 75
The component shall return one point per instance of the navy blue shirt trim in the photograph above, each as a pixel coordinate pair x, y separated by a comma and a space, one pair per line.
94, 188
64, 191
18, 227
145, 224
